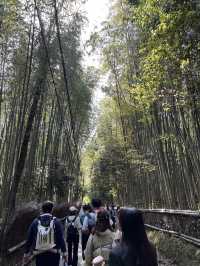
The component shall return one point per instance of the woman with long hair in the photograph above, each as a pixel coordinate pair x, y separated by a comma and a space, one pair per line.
134, 248
100, 242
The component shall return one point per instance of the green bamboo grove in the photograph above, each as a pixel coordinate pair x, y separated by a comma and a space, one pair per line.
146, 149
45, 102
146, 146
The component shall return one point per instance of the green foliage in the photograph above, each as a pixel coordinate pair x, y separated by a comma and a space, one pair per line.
9, 15
176, 250
108, 157
149, 127
31, 65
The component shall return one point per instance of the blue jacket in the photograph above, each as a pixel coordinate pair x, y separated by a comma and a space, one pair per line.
32, 233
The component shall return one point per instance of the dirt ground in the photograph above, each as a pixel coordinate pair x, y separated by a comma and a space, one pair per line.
164, 262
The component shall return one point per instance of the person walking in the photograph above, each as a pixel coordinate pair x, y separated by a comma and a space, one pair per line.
90, 216
134, 248
96, 207
100, 242
73, 228
45, 239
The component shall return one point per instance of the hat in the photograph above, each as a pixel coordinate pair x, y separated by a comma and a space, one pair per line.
73, 209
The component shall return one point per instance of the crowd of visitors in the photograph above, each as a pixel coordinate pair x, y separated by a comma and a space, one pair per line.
108, 236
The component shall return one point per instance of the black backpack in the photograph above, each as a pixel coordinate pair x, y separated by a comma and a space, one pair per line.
71, 229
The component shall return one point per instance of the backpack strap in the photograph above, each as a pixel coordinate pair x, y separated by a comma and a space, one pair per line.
71, 222
74, 219
53, 222
38, 222
50, 220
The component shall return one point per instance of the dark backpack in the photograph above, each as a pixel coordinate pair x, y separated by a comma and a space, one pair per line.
71, 229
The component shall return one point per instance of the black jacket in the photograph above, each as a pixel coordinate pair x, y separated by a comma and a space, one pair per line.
122, 255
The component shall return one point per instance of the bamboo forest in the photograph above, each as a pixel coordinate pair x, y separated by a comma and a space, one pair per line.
110, 113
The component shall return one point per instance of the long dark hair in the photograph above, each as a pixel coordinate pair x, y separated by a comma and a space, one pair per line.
103, 222
134, 234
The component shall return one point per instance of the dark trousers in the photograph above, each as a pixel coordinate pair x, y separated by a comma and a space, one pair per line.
73, 242
47, 259
84, 241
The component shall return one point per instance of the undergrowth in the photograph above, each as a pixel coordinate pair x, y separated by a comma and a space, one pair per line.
177, 250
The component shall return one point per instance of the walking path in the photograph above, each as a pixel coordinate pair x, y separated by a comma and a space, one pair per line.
80, 260
161, 260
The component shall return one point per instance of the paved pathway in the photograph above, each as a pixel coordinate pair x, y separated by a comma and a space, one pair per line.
80, 260
161, 260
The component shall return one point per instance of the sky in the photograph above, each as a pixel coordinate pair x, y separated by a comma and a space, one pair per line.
97, 11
